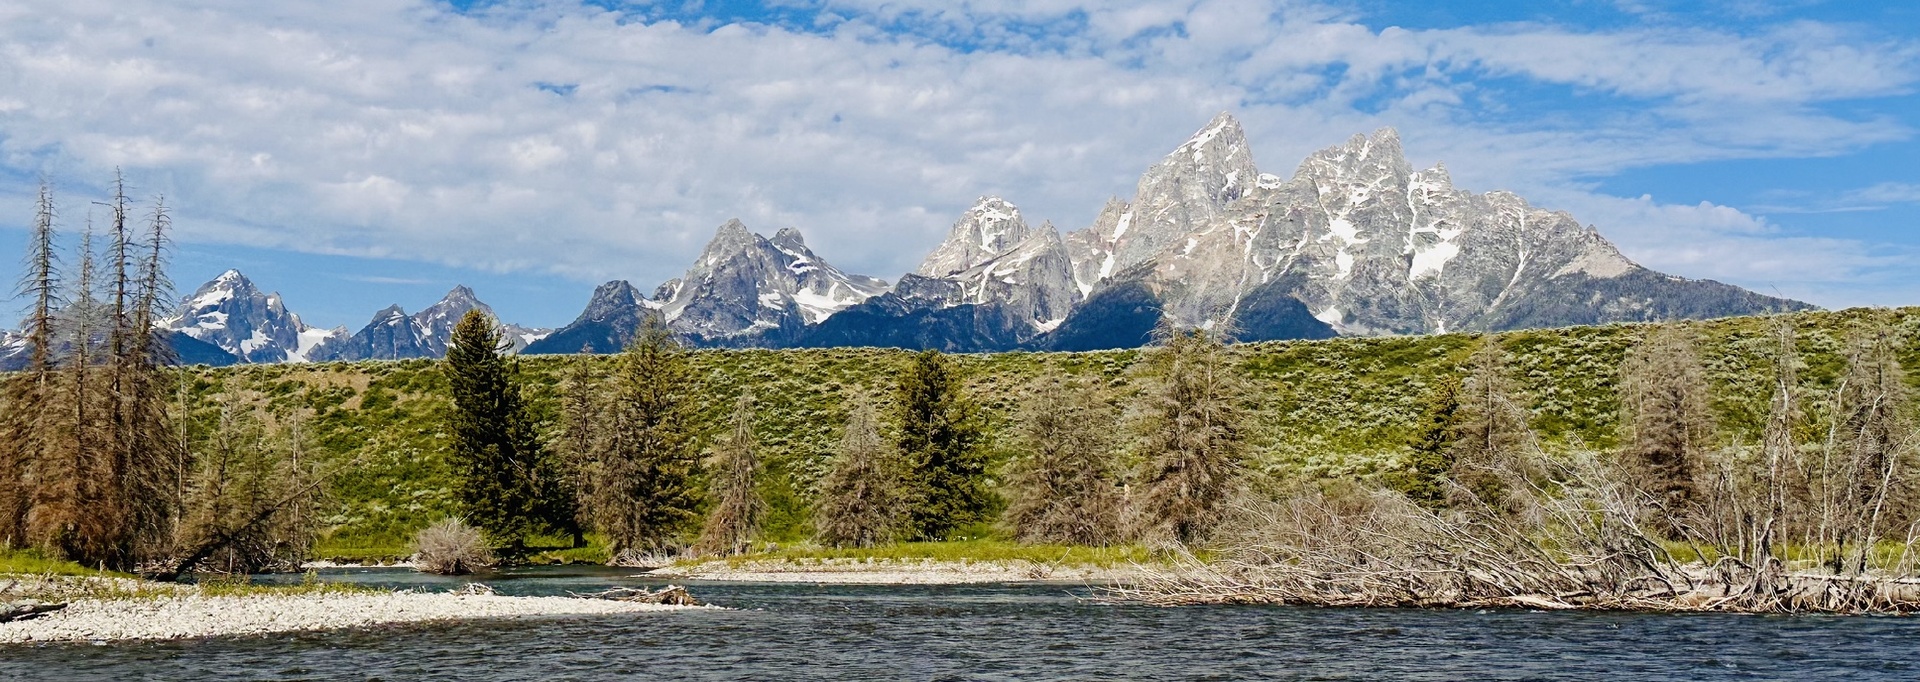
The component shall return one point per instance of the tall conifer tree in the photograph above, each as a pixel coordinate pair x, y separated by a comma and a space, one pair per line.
940, 442
860, 498
637, 485
496, 452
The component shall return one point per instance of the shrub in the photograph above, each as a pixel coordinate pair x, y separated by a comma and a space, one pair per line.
450, 547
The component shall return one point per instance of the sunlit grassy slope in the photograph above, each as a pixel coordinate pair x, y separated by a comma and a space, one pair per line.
1339, 407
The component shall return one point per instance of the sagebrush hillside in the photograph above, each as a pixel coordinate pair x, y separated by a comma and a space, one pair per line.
1331, 408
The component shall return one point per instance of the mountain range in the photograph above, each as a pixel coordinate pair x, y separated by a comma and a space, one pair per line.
1355, 242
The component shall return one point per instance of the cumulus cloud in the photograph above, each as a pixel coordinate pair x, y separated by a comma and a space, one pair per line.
564, 138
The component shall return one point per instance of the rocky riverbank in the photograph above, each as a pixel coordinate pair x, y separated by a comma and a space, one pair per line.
899, 572
188, 615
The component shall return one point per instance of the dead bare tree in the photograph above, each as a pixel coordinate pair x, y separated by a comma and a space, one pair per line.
737, 504
1669, 427
1493, 445
1064, 488
860, 501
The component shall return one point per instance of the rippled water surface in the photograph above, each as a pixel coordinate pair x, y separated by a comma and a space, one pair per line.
1006, 633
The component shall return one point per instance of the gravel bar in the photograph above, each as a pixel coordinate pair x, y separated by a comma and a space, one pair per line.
194, 616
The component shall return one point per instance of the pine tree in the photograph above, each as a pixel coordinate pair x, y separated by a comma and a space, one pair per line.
1194, 436
496, 452
637, 487
940, 442
860, 500
737, 505
1493, 439
1063, 482
1663, 396
1424, 478
579, 436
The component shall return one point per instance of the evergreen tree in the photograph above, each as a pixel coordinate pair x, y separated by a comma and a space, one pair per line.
1663, 396
940, 441
637, 487
576, 441
1424, 478
737, 505
1063, 482
496, 453
860, 498
1194, 436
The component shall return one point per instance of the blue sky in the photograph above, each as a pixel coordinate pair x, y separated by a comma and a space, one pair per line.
372, 152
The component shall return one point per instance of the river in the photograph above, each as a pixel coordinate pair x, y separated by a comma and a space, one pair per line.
1005, 632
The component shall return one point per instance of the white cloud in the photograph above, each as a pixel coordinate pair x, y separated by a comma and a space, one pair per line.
398, 128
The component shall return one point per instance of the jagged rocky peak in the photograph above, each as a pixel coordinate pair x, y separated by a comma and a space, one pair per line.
437, 321
790, 240
1186, 191
613, 298
233, 314
991, 227
745, 286
391, 335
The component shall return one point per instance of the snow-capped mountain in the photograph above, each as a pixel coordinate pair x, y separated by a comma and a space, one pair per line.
1370, 247
231, 313
1355, 241
13, 350
991, 257
745, 289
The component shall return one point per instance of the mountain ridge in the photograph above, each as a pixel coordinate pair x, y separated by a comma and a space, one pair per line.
1355, 242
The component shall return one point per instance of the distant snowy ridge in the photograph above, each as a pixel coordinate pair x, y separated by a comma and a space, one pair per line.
1354, 242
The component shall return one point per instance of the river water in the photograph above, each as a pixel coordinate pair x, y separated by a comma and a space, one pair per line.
1005, 632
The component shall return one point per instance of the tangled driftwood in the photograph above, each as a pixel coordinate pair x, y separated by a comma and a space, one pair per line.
671, 595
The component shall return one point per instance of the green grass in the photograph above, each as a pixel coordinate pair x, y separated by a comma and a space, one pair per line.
31, 562
1339, 408
982, 550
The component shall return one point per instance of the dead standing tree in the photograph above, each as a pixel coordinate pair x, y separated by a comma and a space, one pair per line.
860, 497
1194, 436
737, 504
1064, 489
1669, 427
